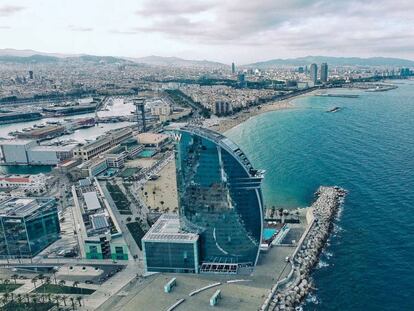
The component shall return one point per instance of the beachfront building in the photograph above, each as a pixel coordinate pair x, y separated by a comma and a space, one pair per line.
167, 248
98, 232
27, 226
103, 143
220, 201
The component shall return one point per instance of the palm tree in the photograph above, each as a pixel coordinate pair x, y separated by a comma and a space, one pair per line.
5, 298
64, 298
11, 297
75, 285
54, 271
15, 277
280, 214
62, 283
19, 298
72, 301
41, 277
79, 299
57, 299
34, 281
34, 300
46, 284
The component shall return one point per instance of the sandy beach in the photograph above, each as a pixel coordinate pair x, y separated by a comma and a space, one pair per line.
225, 123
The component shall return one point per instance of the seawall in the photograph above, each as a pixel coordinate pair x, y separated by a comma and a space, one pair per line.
290, 292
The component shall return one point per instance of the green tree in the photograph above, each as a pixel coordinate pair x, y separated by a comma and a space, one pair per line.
72, 301
64, 299
57, 299
14, 277
54, 271
6, 283
62, 283
19, 299
41, 277
79, 299
46, 284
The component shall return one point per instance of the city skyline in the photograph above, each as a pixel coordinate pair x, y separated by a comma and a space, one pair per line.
210, 30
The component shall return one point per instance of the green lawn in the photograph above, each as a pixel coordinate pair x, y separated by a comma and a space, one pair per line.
9, 288
119, 198
136, 232
39, 306
57, 289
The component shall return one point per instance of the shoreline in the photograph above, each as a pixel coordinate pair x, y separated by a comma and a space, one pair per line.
289, 293
223, 124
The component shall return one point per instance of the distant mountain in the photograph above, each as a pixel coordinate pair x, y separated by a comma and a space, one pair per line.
175, 62
334, 61
30, 57
27, 53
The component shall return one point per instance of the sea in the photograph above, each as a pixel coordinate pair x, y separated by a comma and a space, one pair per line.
367, 147
119, 107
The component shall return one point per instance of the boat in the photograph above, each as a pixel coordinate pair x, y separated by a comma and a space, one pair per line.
334, 109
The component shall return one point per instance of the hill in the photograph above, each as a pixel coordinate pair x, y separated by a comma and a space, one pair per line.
335, 61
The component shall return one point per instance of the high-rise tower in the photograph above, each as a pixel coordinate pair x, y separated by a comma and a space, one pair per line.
324, 72
220, 198
314, 73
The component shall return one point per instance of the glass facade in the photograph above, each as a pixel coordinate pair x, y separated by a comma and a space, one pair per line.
171, 257
26, 234
220, 197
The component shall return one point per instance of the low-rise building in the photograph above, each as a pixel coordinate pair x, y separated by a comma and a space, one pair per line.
98, 232
28, 226
160, 108
15, 151
90, 168
32, 183
103, 143
167, 248
152, 140
50, 155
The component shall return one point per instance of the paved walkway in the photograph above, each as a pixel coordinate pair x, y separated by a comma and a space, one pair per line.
111, 287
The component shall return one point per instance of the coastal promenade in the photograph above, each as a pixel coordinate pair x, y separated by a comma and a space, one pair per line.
290, 291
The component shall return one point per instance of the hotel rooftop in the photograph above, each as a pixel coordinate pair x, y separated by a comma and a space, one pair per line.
167, 228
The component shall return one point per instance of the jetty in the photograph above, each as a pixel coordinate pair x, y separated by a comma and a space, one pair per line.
338, 95
288, 293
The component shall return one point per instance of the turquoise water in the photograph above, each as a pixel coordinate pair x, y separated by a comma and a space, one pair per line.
147, 153
24, 169
368, 148
268, 233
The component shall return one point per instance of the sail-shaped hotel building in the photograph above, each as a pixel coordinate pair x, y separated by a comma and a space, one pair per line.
220, 209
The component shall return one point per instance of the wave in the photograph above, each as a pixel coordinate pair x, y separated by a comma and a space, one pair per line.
312, 298
322, 264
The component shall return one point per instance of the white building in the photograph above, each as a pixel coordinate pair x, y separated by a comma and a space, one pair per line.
160, 108
103, 143
16, 151
35, 183
50, 155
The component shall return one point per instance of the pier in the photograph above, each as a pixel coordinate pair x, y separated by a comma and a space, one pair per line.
289, 292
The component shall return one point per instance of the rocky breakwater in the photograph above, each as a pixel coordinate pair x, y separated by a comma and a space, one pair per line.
291, 292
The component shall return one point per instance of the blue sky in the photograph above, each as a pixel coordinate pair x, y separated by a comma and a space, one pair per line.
221, 30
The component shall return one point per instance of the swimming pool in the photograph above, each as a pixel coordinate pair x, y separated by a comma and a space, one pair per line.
268, 233
146, 153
